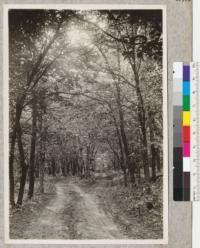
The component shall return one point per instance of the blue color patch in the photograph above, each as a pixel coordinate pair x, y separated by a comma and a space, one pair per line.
186, 88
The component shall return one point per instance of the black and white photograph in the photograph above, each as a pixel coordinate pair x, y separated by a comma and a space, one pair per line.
87, 124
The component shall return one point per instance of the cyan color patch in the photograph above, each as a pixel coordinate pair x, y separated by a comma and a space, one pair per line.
186, 88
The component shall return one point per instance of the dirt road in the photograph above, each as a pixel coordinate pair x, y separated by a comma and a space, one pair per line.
72, 213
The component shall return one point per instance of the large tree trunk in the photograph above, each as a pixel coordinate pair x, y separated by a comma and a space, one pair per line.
24, 167
32, 152
12, 152
11, 169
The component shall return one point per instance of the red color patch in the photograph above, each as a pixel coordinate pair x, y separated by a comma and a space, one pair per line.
186, 134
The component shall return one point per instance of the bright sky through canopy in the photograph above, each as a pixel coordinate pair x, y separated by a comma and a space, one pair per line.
77, 36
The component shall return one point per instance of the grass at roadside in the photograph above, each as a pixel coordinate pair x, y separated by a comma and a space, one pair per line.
137, 209
30, 209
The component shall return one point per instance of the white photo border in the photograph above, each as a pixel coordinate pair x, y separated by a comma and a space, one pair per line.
7, 7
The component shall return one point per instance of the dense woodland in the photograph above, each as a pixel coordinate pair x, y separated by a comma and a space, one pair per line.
85, 96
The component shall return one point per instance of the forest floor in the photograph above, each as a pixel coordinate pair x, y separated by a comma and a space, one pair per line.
75, 209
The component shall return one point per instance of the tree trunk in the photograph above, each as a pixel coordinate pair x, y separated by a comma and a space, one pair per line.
32, 151
153, 149
139, 175
42, 160
63, 165
41, 179
24, 167
53, 166
153, 161
12, 152
68, 168
125, 177
42, 155
22, 185
158, 159
37, 173
11, 169
145, 158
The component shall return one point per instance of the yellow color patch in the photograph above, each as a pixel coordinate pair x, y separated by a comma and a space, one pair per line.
186, 118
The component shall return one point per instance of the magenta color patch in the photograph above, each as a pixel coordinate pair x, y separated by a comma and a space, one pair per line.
186, 149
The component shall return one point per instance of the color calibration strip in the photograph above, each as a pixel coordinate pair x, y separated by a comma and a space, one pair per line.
181, 131
186, 132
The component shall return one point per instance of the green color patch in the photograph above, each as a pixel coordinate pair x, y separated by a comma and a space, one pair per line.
186, 103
